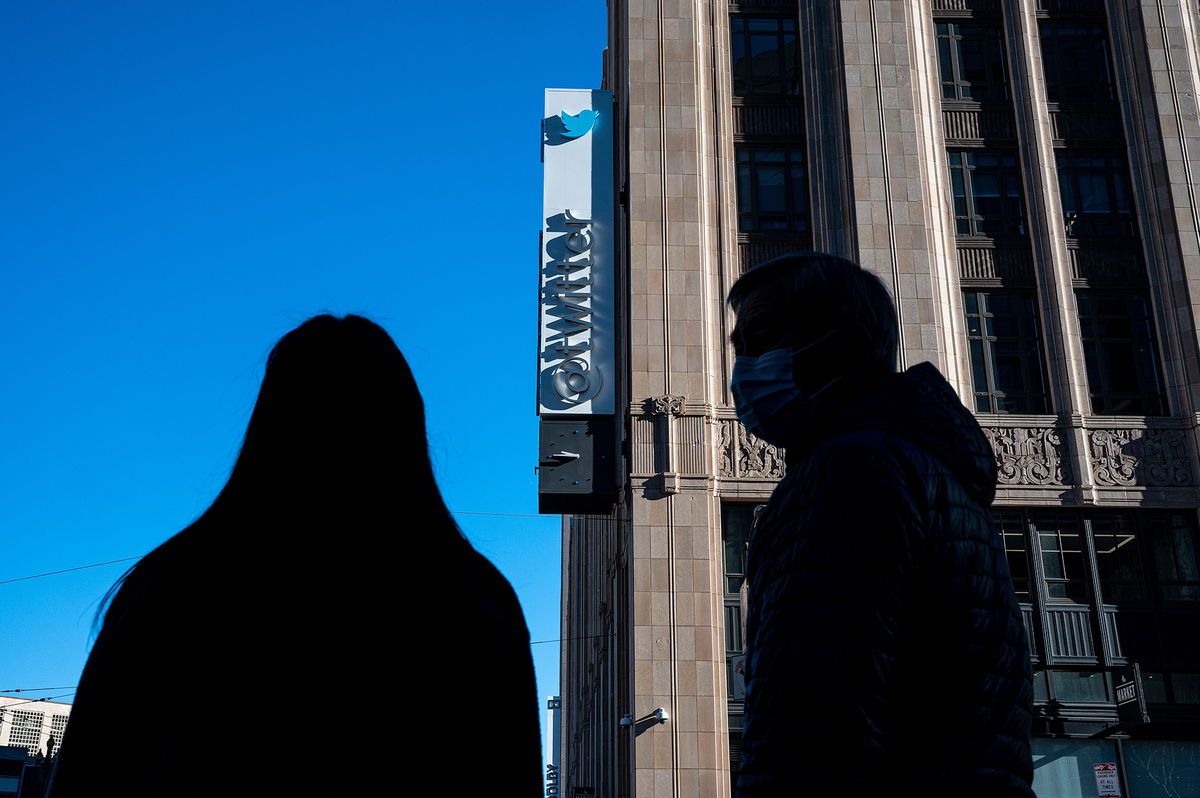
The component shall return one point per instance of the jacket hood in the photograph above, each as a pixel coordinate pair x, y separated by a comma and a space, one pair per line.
921, 407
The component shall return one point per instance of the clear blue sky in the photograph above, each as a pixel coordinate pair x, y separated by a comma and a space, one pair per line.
183, 182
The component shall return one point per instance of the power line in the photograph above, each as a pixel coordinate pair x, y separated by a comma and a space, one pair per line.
127, 559
35, 700
35, 690
67, 570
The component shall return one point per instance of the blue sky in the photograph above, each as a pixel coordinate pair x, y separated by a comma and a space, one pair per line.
185, 182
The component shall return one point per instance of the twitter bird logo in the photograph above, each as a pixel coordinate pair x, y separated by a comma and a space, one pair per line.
577, 126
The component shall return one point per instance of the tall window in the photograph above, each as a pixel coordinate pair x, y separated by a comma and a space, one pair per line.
1122, 358
987, 193
772, 189
1176, 557
736, 520
1095, 194
765, 55
1119, 557
1060, 537
1075, 59
1016, 551
971, 60
1006, 351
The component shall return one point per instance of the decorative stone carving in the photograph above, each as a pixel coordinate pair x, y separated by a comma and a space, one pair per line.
666, 405
725, 448
1149, 457
757, 458
743, 455
1029, 455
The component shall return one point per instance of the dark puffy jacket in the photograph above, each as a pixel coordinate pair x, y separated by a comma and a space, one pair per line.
885, 647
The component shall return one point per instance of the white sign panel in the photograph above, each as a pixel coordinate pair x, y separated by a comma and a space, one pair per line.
1107, 785
552, 731
576, 333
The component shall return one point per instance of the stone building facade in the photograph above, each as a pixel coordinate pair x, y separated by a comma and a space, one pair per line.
1023, 176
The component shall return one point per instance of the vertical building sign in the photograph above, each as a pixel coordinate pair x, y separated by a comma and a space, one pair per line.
576, 351
552, 731
576, 386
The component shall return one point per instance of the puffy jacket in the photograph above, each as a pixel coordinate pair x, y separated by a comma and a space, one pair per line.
885, 647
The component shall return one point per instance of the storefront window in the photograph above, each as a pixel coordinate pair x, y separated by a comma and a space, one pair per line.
1067, 768
1161, 769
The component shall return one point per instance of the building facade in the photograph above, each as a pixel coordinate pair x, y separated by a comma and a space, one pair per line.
1023, 176
33, 724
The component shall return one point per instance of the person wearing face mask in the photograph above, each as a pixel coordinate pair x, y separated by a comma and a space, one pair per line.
885, 648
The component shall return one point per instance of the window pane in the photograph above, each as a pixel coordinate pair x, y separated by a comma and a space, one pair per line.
1094, 193
1062, 555
1176, 566
1040, 691
772, 189
1078, 686
1012, 530
1118, 557
735, 531
1186, 687
1155, 688
1121, 354
986, 187
971, 61
1076, 63
1006, 351
764, 55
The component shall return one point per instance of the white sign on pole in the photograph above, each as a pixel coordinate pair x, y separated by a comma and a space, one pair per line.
576, 333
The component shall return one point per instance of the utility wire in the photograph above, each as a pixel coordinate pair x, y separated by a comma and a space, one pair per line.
67, 570
127, 559
35, 690
35, 700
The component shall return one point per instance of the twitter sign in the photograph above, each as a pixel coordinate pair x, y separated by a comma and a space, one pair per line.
577, 276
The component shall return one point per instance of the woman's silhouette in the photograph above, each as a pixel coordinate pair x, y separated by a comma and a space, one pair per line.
323, 628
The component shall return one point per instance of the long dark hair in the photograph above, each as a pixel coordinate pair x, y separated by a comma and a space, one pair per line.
335, 448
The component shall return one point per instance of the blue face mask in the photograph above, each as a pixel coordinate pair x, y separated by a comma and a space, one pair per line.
765, 395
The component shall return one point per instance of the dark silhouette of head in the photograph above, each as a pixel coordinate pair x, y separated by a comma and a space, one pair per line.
335, 461
339, 417
794, 300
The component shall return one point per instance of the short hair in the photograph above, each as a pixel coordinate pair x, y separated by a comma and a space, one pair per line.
816, 293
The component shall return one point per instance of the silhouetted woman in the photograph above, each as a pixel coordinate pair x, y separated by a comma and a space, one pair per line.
323, 628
